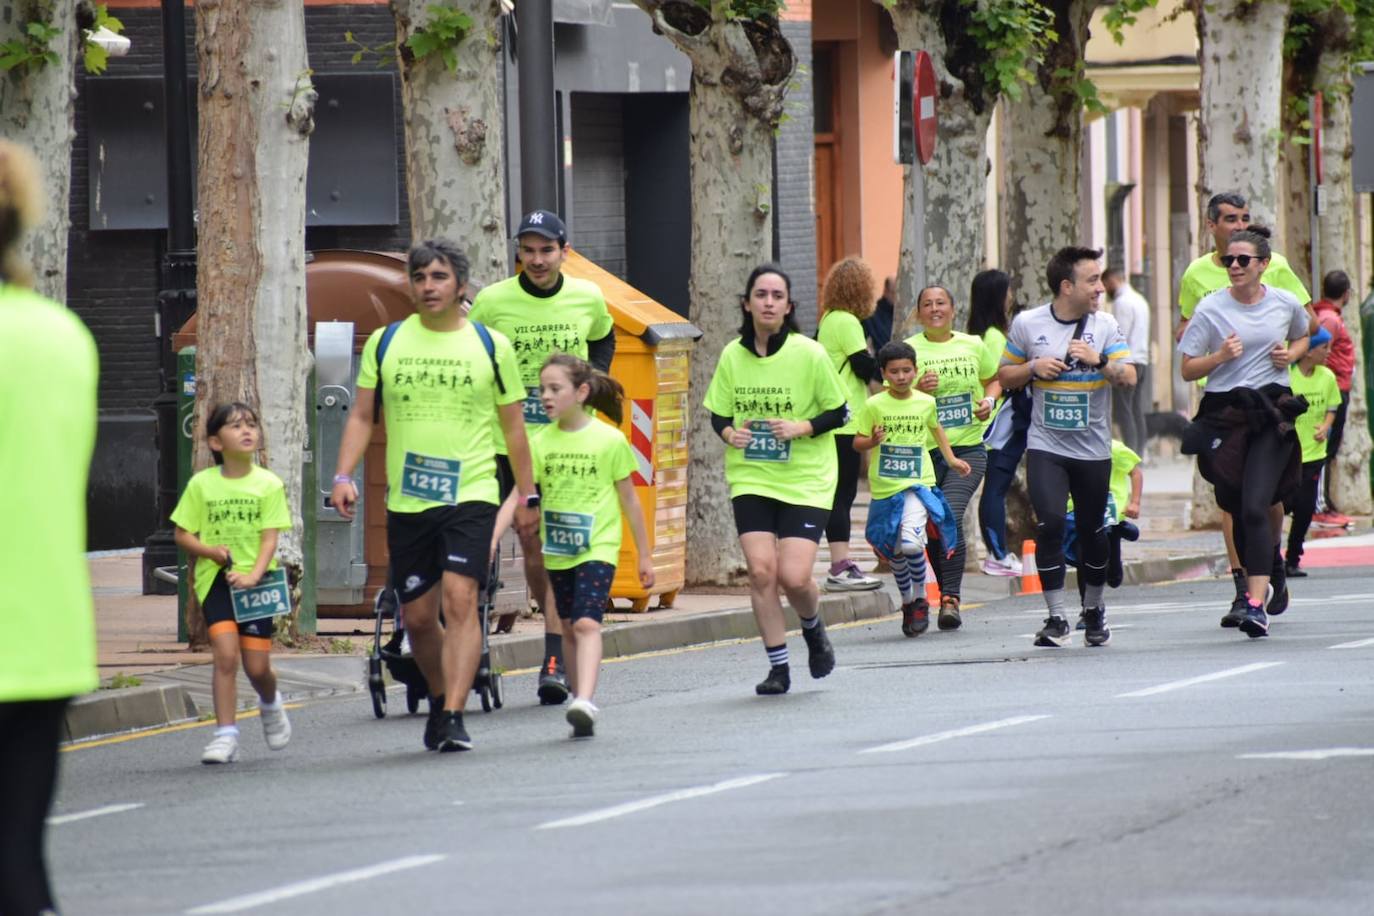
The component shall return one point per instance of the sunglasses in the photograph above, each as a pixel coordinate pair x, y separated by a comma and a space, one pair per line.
1242, 259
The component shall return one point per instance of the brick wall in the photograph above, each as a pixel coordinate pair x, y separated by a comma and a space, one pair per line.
794, 224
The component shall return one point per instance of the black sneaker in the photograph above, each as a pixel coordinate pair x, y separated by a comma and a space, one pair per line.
553, 683
1278, 600
820, 654
1095, 629
1128, 530
1236, 614
436, 715
779, 680
1294, 571
949, 618
1255, 623
1054, 634
915, 617
452, 735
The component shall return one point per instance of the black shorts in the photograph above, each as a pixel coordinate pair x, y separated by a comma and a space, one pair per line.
425, 545
583, 591
218, 609
763, 513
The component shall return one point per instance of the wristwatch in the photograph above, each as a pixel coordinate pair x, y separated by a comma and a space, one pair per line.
531, 501
1102, 363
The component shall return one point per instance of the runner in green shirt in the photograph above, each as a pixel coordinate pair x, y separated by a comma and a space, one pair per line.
441, 472
229, 519
960, 373
1311, 378
48, 379
847, 299
543, 311
902, 423
775, 400
583, 469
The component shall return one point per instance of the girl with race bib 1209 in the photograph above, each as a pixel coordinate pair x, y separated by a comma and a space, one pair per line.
583, 468
902, 424
229, 519
776, 401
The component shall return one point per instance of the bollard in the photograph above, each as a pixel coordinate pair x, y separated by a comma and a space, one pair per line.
932, 592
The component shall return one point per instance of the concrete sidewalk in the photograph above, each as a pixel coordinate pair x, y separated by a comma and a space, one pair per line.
137, 633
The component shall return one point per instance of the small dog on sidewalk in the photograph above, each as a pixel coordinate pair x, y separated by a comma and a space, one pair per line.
1165, 424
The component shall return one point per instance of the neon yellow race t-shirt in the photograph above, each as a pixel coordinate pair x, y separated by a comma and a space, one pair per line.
1205, 276
1323, 396
962, 362
579, 507
538, 327
231, 512
842, 335
48, 379
902, 459
795, 383
439, 399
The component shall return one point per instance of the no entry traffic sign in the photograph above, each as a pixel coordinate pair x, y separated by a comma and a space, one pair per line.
923, 107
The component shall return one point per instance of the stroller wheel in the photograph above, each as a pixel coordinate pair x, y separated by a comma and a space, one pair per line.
412, 698
496, 699
485, 693
378, 700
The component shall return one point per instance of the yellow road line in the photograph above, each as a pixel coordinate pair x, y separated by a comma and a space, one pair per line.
161, 730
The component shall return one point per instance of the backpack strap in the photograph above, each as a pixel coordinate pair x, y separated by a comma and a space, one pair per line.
382, 346
490, 346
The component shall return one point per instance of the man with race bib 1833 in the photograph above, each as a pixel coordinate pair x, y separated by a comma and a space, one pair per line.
543, 311
1069, 352
441, 377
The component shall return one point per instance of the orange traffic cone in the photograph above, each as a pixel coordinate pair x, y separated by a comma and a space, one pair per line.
932, 592
1030, 576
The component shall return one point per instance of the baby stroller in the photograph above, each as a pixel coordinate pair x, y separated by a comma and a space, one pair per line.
395, 653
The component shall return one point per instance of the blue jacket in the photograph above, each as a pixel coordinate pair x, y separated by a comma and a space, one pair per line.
885, 520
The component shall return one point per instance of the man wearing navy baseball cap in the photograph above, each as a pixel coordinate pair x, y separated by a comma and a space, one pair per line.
544, 312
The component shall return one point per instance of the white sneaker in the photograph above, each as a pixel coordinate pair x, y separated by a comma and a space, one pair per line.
276, 727
1010, 565
582, 717
851, 579
223, 749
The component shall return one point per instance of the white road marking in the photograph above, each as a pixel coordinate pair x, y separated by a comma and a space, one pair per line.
94, 812
1201, 679
953, 733
287, 891
1357, 644
605, 814
1323, 754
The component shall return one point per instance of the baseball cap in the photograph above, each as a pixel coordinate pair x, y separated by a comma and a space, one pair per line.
1316, 340
545, 223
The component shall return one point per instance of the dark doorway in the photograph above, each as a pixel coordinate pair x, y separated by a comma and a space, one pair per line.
658, 196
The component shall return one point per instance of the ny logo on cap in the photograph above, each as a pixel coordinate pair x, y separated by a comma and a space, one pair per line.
537, 218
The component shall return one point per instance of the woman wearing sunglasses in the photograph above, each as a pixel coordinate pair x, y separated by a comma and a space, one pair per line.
1242, 339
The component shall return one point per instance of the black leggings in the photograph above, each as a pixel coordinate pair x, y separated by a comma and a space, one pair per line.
1265, 461
949, 571
1302, 504
1052, 479
846, 488
29, 733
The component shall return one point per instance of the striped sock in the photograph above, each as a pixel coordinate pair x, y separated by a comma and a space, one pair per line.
918, 572
901, 571
777, 655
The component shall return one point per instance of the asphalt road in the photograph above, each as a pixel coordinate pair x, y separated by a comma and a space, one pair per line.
1182, 769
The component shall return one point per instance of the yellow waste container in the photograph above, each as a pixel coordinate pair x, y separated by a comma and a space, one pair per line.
653, 346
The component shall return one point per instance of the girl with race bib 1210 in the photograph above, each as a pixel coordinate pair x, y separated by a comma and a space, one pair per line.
229, 519
583, 468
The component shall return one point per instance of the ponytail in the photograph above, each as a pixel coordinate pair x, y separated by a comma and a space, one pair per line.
606, 394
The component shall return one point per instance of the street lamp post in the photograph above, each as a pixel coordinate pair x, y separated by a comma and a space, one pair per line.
176, 298
538, 114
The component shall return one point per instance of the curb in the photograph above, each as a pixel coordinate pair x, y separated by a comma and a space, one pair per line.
623, 639
1151, 571
106, 712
